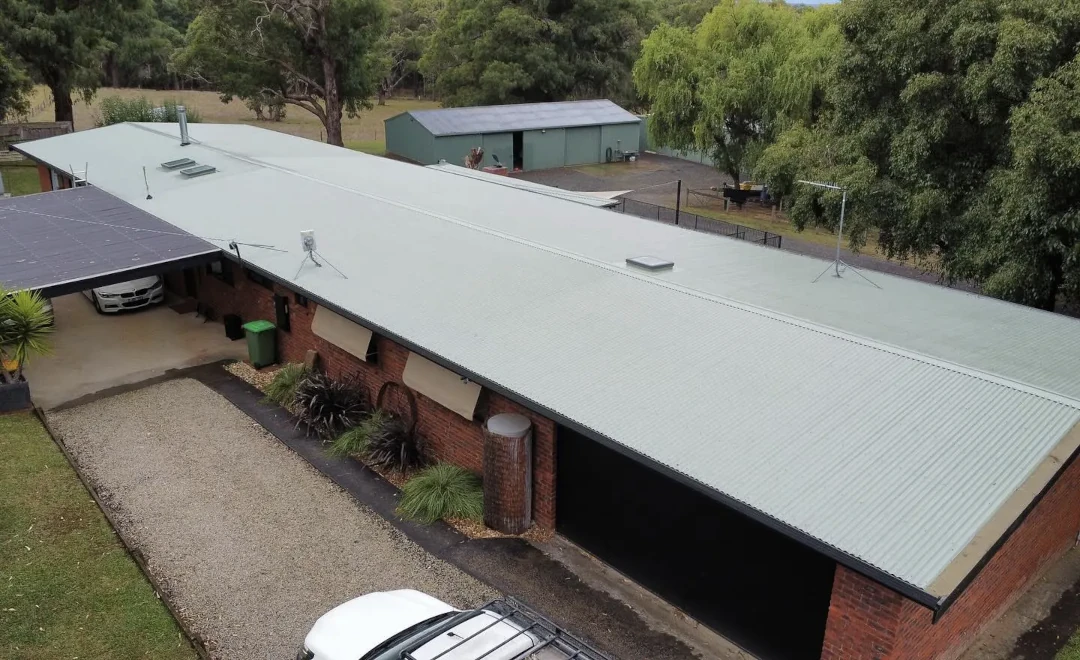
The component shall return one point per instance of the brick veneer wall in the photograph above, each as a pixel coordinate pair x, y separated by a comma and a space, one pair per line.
451, 437
870, 622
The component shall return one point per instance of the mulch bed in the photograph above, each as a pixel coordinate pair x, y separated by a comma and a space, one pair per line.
261, 378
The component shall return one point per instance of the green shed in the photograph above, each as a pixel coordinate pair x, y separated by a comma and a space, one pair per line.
526, 136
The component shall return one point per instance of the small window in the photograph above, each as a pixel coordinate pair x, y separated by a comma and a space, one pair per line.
260, 279
301, 300
221, 271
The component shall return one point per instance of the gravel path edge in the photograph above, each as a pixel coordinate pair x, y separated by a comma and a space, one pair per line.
193, 638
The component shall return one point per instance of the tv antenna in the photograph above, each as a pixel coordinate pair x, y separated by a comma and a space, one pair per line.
307, 240
838, 265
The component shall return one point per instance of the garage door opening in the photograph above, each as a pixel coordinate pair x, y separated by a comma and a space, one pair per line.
761, 590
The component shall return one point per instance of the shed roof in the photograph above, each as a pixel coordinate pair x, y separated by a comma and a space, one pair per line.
521, 117
62, 241
900, 430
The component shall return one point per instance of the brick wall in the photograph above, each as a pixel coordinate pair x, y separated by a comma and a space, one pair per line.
451, 437
869, 622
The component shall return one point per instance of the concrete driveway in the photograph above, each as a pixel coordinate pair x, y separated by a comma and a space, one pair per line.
251, 542
94, 352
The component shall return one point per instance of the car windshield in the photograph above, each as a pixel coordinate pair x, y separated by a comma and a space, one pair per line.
412, 631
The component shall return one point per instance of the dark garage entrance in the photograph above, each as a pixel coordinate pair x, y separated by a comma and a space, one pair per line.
751, 584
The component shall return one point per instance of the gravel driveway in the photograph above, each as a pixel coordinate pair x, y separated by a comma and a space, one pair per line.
252, 543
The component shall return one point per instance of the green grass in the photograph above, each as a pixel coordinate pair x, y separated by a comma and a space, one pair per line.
373, 147
20, 179
67, 587
1071, 650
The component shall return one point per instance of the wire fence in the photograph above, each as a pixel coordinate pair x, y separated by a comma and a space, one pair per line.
697, 222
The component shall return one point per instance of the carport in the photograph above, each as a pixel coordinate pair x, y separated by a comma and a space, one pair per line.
64, 242
81, 238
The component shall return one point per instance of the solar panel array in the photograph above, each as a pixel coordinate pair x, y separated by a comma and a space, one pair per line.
79, 233
522, 117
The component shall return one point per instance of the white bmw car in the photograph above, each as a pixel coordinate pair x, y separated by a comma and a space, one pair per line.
127, 295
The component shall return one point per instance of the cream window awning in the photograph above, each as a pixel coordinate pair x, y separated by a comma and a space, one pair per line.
351, 337
441, 385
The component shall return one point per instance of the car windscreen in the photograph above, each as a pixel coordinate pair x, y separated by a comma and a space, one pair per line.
406, 635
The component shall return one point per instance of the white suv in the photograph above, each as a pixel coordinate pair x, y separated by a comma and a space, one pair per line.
127, 295
410, 625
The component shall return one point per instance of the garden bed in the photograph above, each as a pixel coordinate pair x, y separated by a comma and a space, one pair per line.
474, 529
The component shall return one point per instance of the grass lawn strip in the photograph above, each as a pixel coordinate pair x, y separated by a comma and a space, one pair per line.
20, 180
67, 587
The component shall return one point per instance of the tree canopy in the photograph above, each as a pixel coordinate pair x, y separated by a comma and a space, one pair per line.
412, 24
507, 51
734, 82
14, 87
319, 55
60, 43
950, 123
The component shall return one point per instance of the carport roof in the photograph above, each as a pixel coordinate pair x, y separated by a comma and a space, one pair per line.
521, 117
900, 430
64, 241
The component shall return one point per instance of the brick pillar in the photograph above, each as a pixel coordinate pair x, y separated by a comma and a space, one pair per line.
44, 178
508, 473
864, 619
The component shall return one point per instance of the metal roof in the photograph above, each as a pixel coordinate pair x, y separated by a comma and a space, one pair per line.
520, 117
529, 186
59, 240
891, 428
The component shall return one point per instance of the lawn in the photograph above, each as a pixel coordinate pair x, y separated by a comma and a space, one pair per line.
364, 133
67, 587
20, 179
1071, 651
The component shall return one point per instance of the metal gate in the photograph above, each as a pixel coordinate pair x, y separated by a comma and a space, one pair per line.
759, 589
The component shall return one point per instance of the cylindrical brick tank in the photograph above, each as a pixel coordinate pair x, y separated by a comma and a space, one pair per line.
508, 473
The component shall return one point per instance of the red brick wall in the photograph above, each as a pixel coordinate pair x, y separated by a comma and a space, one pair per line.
869, 622
451, 437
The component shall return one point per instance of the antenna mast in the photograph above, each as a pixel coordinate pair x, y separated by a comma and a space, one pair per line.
838, 265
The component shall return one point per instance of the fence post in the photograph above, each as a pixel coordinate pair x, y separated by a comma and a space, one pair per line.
678, 200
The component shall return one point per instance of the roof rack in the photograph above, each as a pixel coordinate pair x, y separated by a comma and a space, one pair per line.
545, 634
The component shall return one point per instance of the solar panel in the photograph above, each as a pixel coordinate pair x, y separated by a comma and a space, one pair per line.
198, 170
178, 163
62, 237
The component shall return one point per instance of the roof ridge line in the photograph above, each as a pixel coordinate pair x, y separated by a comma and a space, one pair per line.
842, 335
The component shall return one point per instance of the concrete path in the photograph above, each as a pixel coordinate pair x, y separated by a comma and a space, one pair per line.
252, 543
94, 352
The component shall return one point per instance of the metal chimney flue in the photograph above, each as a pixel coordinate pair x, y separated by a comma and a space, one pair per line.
181, 116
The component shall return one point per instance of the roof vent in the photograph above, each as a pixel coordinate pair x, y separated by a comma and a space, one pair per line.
181, 118
178, 163
650, 263
198, 170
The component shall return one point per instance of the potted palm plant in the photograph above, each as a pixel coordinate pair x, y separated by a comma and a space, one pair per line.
25, 325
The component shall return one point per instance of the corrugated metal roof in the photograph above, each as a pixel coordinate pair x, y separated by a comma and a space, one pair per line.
529, 186
890, 424
74, 235
521, 117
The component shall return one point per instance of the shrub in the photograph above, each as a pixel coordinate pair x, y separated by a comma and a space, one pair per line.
390, 444
329, 406
442, 491
116, 110
356, 439
282, 390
